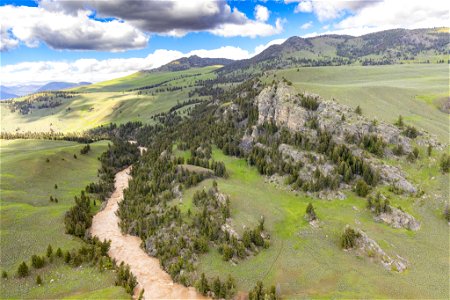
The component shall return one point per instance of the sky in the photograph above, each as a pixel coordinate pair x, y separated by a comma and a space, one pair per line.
88, 40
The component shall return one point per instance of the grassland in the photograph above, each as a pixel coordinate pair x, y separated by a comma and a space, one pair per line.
305, 262
29, 222
107, 102
383, 92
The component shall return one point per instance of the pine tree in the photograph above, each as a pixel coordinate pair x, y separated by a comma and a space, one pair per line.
4, 275
38, 280
358, 110
49, 251
429, 150
203, 286
399, 122
310, 212
59, 252
217, 287
23, 270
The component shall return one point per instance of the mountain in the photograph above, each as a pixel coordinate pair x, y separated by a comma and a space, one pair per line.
193, 61
55, 86
14, 91
18, 90
5, 95
385, 47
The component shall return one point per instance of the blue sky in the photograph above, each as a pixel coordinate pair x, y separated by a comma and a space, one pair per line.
65, 40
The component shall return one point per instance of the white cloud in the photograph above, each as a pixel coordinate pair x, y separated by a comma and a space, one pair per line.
251, 29
75, 25
307, 25
329, 9
391, 14
304, 6
261, 13
94, 70
31, 25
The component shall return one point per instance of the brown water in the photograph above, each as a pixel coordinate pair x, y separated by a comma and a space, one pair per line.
156, 283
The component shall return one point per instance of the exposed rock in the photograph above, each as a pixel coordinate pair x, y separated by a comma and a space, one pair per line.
332, 195
394, 176
368, 247
399, 219
228, 228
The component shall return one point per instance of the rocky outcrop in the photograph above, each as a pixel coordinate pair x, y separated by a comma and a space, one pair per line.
395, 177
281, 104
365, 246
398, 219
310, 160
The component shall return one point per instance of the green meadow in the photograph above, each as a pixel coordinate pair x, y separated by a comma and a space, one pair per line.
109, 101
29, 222
304, 262
414, 91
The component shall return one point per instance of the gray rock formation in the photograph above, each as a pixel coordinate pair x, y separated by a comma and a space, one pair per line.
366, 246
399, 219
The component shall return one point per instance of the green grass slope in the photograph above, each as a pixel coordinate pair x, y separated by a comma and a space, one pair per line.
304, 262
109, 101
383, 92
29, 222
141, 79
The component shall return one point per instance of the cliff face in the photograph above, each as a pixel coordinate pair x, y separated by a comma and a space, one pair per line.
282, 105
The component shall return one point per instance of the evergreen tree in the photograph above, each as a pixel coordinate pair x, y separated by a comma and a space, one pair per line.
49, 251
59, 252
217, 285
399, 122
445, 163
203, 286
23, 270
4, 275
358, 110
310, 212
38, 280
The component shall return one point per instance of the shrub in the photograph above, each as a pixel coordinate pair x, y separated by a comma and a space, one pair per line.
361, 188
411, 132
358, 110
309, 103
4, 275
445, 163
38, 280
398, 150
447, 213
37, 261
349, 237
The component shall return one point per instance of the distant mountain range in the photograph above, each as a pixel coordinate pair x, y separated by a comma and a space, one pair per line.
379, 48
9, 92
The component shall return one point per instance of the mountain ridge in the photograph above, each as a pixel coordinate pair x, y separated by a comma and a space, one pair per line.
383, 47
193, 61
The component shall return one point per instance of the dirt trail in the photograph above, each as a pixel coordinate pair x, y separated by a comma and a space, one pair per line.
155, 281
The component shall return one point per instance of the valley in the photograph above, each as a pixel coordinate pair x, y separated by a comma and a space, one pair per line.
294, 174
